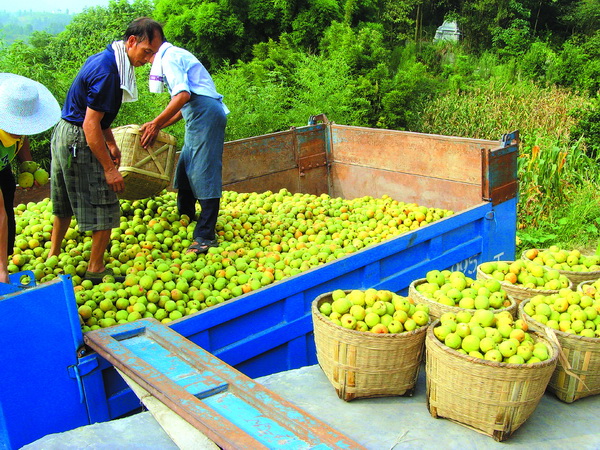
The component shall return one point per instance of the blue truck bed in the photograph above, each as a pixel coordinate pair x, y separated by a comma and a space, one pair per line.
58, 384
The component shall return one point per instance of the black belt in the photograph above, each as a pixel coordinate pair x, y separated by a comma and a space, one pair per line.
73, 123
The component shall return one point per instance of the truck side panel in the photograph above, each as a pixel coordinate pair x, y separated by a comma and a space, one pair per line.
270, 330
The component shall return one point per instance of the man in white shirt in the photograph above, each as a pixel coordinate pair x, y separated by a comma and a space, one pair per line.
198, 176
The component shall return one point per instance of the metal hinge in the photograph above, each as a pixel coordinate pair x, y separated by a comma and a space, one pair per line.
83, 368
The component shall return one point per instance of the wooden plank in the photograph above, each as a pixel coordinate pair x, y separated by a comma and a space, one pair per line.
184, 435
228, 407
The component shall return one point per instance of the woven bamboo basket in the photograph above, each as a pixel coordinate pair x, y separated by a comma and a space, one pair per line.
520, 293
436, 309
575, 277
146, 172
577, 374
363, 364
492, 398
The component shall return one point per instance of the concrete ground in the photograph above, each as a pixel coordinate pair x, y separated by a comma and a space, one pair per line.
382, 423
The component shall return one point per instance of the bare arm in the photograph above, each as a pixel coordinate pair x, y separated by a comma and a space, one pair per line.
3, 242
170, 115
113, 148
24, 153
94, 136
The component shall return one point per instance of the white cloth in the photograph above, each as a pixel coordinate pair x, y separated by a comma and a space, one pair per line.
126, 72
157, 79
181, 71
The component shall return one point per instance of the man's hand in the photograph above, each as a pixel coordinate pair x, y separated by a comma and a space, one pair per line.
150, 132
115, 154
115, 180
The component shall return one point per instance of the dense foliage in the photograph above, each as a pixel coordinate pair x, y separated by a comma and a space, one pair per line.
531, 66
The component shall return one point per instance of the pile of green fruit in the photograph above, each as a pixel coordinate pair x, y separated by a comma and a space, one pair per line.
375, 311
493, 337
567, 311
29, 172
526, 274
565, 260
457, 289
262, 237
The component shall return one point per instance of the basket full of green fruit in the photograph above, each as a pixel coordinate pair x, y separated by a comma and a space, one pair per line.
523, 279
576, 266
486, 371
369, 343
446, 291
573, 317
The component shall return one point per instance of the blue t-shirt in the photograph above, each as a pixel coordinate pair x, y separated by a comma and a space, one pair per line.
97, 86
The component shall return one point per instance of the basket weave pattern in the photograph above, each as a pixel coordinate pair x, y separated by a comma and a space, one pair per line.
436, 309
364, 364
583, 356
574, 277
146, 172
492, 398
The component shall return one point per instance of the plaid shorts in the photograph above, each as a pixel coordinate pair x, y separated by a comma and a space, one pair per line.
78, 185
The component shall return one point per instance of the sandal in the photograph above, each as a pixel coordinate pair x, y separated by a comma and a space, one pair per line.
199, 246
98, 277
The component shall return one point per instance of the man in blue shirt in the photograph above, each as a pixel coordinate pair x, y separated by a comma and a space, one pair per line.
85, 178
198, 176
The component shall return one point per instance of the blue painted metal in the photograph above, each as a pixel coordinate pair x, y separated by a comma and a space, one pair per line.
39, 341
263, 332
227, 406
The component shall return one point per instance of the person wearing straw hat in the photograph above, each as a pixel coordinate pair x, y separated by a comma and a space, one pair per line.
26, 107
85, 179
198, 176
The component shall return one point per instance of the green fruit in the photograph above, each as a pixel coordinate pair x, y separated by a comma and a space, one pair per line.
470, 343
453, 340
342, 305
338, 293
41, 176
28, 166
325, 308
372, 319
508, 348
25, 180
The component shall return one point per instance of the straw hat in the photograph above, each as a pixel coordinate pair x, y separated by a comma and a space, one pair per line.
26, 106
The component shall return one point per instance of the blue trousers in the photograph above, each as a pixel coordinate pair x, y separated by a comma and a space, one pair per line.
198, 176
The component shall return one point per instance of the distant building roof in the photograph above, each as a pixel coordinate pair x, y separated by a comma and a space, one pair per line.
448, 31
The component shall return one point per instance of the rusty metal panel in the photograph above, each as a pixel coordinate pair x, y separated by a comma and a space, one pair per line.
227, 406
314, 181
259, 156
499, 170
287, 179
349, 181
445, 157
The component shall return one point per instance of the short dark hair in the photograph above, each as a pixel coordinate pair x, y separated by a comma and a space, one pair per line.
144, 28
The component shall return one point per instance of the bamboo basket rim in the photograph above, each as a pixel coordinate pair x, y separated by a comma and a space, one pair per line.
320, 316
520, 287
163, 136
414, 283
484, 362
562, 334
563, 272
580, 285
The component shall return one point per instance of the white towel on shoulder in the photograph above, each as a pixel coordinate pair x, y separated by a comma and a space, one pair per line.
157, 79
126, 72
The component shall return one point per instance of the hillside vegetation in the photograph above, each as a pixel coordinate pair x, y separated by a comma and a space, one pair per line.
520, 65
